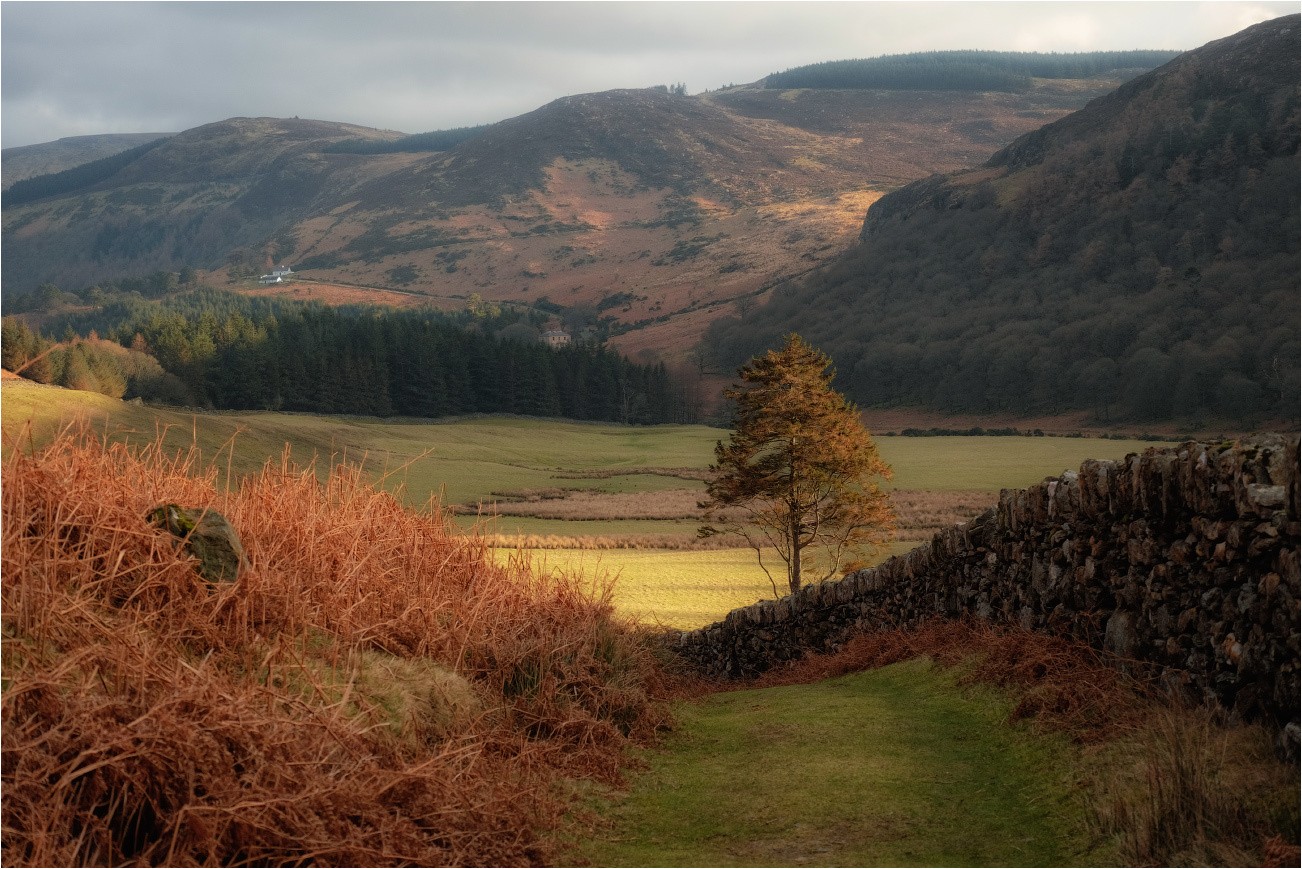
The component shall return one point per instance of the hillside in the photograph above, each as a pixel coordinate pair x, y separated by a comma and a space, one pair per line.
659, 211
1137, 259
29, 161
206, 196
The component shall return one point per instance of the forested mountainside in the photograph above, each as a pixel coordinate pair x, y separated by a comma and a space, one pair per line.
657, 209
965, 70
29, 161
76, 178
1138, 258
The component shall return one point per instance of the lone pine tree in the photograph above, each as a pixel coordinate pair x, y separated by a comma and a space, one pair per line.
799, 470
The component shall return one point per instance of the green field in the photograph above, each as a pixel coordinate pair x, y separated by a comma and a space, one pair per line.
470, 458
465, 461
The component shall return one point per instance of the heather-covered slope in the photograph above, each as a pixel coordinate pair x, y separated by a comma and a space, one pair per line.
206, 197
1138, 258
657, 210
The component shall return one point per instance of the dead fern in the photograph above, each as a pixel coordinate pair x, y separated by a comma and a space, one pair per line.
296, 715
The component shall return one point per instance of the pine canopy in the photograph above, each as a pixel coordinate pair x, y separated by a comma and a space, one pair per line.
799, 469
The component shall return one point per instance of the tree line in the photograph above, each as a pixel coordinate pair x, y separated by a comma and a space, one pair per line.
76, 178
226, 351
1009, 71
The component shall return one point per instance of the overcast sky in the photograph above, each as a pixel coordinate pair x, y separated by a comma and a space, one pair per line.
72, 69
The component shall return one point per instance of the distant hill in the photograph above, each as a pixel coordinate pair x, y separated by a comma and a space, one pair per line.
1011, 71
657, 211
29, 161
1138, 258
203, 197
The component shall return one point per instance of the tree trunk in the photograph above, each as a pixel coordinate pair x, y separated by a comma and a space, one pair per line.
793, 575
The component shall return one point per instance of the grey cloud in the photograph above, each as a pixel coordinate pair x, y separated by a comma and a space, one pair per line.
75, 68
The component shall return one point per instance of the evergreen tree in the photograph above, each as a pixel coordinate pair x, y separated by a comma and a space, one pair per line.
25, 352
799, 469
230, 352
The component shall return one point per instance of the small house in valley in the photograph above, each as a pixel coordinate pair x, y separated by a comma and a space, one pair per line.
556, 338
277, 276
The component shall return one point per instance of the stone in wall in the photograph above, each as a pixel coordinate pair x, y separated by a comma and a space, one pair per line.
1185, 557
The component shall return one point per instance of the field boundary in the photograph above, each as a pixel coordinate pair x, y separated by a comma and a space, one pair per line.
1186, 558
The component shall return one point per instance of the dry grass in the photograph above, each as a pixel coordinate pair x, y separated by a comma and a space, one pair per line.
667, 542
1191, 789
335, 294
373, 690
588, 504
1164, 782
701, 474
919, 514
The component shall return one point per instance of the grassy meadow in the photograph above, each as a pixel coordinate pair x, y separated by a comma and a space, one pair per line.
951, 744
597, 497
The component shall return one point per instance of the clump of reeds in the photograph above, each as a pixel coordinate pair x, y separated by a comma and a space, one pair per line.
372, 690
1191, 789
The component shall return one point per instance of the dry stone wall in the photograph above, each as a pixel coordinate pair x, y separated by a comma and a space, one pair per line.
1185, 557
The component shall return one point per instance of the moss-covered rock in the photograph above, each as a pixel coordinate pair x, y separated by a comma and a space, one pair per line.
207, 535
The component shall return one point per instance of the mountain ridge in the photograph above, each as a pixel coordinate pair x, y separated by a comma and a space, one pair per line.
676, 206
1137, 258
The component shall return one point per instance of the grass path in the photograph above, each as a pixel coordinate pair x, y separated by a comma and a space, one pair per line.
895, 766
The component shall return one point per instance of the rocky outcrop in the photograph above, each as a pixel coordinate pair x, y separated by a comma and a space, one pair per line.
1184, 557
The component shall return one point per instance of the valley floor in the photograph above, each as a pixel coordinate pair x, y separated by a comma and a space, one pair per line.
596, 498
